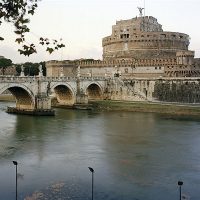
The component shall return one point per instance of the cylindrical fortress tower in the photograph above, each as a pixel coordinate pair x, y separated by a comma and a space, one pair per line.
142, 38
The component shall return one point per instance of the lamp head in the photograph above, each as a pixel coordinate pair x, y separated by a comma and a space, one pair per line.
180, 183
15, 163
91, 169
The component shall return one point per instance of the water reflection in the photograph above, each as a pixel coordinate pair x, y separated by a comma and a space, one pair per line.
135, 155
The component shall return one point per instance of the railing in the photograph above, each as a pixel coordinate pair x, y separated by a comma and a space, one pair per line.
18, 79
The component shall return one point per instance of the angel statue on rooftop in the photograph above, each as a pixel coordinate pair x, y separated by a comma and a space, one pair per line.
141, 11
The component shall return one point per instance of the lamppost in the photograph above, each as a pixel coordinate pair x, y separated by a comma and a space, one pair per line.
92, 171
180, 183
16, 163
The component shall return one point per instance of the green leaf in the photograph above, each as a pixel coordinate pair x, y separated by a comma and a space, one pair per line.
50, 50
18, 32
61, 45
19, 40
31, 12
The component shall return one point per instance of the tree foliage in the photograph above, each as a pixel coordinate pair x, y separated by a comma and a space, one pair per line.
31, 69
187, 92
18, 13
4, 63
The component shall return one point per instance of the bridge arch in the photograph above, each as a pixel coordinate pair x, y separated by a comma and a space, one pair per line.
23, 96
94, 91
64, 93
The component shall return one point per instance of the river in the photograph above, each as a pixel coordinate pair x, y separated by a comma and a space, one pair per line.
136, 156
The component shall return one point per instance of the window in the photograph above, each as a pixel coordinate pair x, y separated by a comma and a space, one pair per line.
163, 35
124, 36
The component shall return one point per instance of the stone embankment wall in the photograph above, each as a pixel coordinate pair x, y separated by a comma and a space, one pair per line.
130, 90
153, 90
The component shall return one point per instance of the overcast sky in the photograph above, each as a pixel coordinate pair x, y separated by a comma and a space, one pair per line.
83, 23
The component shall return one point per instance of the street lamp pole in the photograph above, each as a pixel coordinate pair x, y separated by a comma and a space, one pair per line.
92, 171
16, 163
180, 183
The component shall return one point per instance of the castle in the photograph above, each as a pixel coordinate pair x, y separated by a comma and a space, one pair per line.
137, 47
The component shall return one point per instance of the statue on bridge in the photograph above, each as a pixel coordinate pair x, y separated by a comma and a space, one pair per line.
22, 71
62, 72
40, 71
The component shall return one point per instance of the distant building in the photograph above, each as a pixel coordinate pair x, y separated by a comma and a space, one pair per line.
137, 47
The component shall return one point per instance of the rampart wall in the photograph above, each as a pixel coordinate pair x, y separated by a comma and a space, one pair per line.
145, 44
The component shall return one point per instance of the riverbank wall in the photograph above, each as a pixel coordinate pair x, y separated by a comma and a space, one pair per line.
149, 107
187, 109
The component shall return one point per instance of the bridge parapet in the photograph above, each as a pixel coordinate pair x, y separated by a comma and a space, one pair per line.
96, 78
64, 78
17, 79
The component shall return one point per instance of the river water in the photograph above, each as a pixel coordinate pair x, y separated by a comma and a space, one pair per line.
136, 156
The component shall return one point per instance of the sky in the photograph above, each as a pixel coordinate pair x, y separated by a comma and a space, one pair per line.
83, 23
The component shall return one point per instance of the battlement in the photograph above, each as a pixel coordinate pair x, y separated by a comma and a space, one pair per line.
147, 37
55, 62
113, 63
147, 23
185, 54
135, 19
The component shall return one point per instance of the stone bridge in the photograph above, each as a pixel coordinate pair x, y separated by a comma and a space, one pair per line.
36, 92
